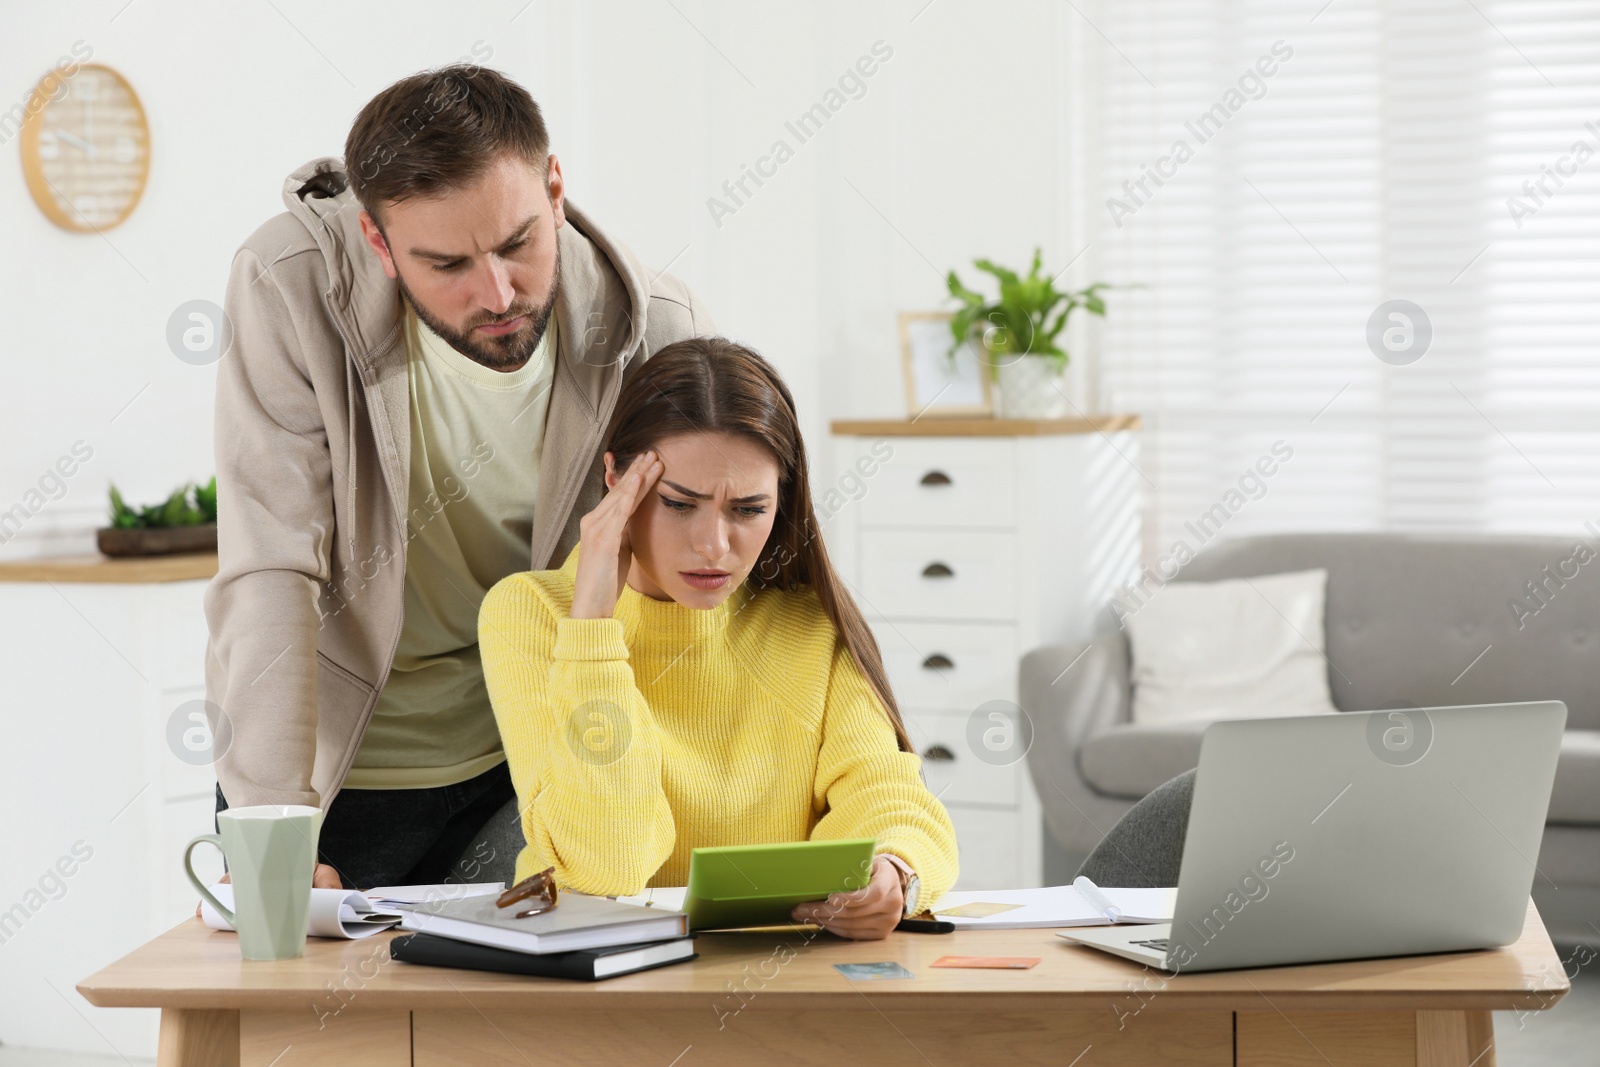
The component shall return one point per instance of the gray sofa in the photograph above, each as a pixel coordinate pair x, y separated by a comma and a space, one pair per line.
1407, 619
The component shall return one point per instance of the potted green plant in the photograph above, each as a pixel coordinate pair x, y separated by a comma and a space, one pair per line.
1016, 335
177, 524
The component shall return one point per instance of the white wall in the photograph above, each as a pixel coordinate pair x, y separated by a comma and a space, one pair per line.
956, 149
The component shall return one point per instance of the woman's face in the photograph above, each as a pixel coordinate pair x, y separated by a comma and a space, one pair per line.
701, 527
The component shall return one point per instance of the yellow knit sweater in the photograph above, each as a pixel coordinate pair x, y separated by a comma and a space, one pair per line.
634, 739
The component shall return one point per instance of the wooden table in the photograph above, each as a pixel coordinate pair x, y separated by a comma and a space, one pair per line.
772, 997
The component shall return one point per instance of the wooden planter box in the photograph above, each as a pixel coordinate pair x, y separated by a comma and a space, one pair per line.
157, 541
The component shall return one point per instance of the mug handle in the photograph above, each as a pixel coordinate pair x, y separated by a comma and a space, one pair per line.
188, 869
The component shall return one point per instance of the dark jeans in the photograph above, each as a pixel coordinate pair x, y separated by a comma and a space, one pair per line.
376, 837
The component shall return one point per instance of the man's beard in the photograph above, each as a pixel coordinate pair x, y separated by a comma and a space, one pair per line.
507, 352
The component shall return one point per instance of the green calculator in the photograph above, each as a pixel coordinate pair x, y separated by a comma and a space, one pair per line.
757, 885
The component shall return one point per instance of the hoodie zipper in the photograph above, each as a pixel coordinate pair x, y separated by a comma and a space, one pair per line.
350, 452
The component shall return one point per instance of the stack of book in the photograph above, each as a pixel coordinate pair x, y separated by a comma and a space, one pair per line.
581, 937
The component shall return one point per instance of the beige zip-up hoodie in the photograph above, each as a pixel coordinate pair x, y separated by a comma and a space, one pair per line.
312, 458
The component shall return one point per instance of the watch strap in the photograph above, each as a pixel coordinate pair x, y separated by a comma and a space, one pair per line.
906, 875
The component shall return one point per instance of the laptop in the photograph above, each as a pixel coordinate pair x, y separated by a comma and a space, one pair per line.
1355, 835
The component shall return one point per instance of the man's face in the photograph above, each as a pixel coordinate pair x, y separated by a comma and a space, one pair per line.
479, 264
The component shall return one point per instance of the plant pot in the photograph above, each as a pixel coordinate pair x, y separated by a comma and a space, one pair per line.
156, 541
1032, 387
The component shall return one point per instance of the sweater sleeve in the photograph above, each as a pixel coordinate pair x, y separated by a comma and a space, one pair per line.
872, 789
582, 744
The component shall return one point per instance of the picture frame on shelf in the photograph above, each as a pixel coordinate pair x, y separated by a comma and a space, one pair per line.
935, 388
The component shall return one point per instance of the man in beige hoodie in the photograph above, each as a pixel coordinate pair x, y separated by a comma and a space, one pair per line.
427, 347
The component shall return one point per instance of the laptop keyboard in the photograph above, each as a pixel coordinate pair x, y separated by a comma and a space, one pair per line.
1158, 944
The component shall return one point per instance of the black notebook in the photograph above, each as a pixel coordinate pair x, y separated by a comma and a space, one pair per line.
587, 965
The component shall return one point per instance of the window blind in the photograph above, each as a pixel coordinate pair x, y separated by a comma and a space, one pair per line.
1272, 173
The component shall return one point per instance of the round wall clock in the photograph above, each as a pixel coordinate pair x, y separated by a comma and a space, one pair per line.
86, 148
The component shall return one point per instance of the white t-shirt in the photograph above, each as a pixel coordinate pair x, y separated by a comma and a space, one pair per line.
476, 438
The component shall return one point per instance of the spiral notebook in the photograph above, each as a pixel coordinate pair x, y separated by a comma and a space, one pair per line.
351, 913
345, 913
1049, 907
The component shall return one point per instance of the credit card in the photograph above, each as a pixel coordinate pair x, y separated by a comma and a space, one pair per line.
1007, 963
866, 972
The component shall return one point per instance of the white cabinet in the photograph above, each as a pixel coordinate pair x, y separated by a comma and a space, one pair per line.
967, 543
97, 656
958, 574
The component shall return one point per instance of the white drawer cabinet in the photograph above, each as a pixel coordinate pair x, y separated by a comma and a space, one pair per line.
990, 858
947, 665
98, 655
967, 543
939, 574
948, 482
953, 772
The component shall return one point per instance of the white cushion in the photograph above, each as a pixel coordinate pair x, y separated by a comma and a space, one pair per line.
1245, 648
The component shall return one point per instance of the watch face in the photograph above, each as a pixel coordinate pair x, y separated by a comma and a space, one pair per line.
913, 890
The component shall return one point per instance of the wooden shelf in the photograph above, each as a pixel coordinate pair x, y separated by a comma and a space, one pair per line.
94, 567
929, 426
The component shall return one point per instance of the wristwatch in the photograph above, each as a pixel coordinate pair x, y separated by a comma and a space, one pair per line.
910, 884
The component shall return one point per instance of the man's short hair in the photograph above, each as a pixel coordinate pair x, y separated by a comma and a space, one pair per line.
438, 130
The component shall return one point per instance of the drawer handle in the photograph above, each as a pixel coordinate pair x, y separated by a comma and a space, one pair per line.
936, 478
938, 754
938, 570
938, 661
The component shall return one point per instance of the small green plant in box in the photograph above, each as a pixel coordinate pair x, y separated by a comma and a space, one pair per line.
176, 510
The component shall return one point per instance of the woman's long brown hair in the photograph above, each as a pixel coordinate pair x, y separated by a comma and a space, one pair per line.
714, 385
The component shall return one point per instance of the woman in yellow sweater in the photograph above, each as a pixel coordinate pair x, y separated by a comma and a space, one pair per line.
695, 673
